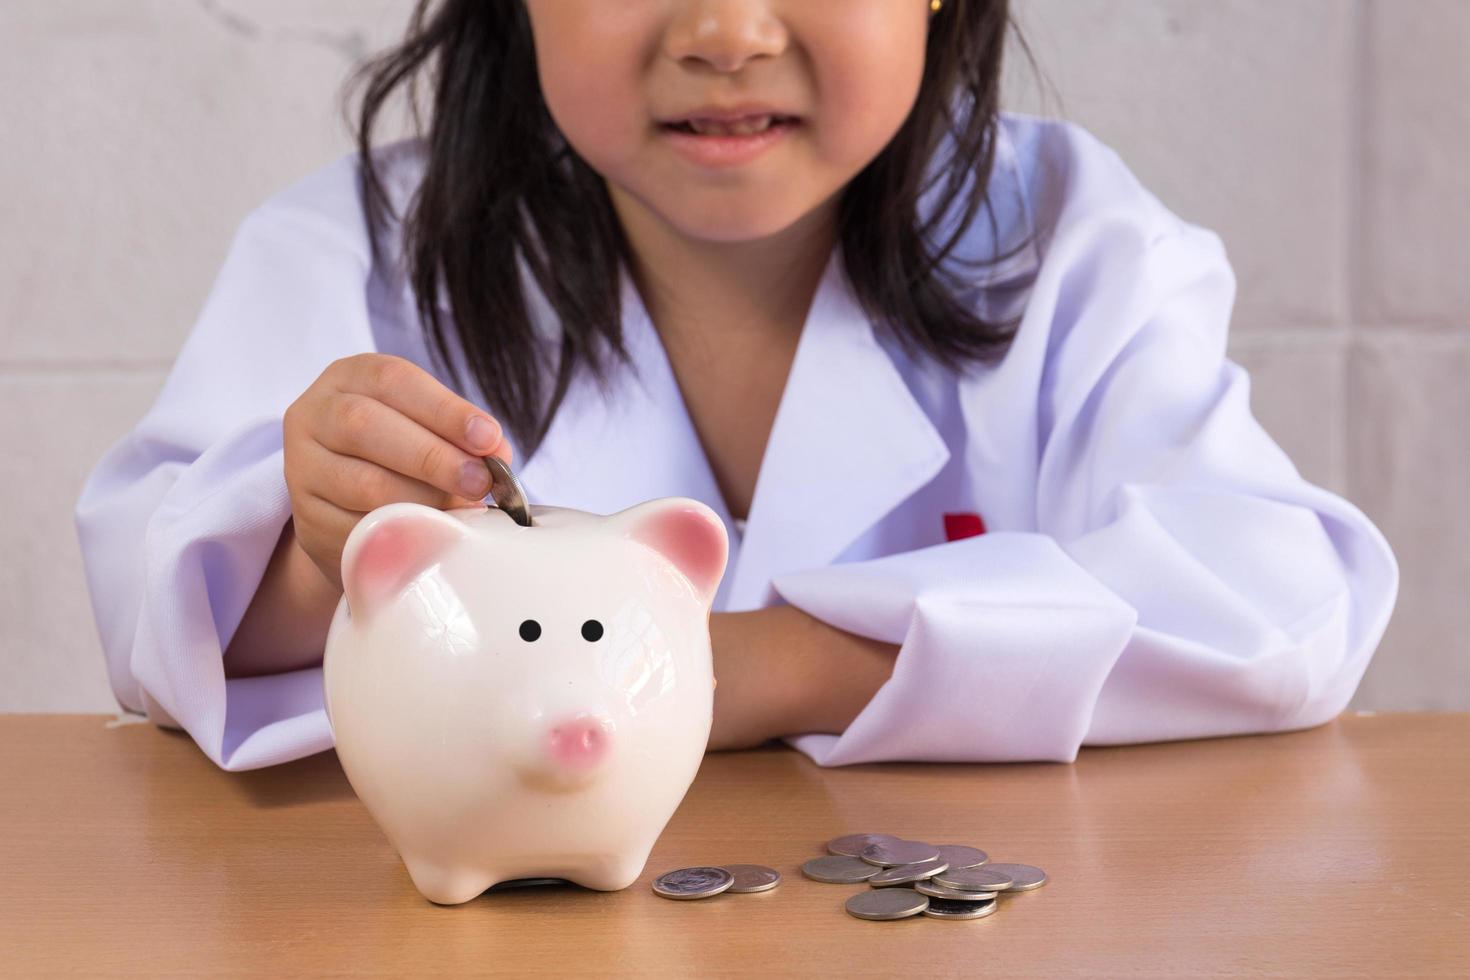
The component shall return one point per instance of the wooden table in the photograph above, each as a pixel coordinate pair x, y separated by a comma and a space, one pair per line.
1339, 850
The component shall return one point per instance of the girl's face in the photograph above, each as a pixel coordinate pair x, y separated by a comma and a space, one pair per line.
615, 73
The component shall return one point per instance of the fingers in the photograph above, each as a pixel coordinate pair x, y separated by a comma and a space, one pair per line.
362, 485
324, 521
419, 396
369, 430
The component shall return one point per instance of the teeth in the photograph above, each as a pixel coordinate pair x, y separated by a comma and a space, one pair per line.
744, 127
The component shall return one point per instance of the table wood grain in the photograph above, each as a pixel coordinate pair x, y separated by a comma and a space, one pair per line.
1343, 849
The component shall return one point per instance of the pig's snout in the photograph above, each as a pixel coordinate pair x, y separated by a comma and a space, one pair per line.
580, 743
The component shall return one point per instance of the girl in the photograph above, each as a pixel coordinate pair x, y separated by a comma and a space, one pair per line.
994, 490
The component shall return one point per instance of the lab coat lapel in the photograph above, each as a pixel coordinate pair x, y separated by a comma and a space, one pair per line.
849, 443
607, 452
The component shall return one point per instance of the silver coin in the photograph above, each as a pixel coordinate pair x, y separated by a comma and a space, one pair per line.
507, 491
752, 877
887, 903
982, 879
903, 874
947, 908
1024, 877
839, 869
895, 852
935, 890
853, 844
961, 855
693, 882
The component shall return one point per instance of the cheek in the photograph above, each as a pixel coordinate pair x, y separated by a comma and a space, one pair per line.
867, 86
590, 56
592, 95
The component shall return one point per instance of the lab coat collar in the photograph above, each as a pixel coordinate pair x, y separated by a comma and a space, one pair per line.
849, 443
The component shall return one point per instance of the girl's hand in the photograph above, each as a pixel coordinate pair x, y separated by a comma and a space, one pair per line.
375, 429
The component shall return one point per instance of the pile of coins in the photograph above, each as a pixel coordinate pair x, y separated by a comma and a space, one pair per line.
908, 877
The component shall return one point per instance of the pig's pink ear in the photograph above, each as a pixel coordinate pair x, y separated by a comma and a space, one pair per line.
389, 547
684, 531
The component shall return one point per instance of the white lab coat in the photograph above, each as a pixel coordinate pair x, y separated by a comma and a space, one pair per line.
1153, 566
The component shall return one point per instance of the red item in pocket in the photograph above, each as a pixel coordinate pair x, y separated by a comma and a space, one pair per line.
964, 525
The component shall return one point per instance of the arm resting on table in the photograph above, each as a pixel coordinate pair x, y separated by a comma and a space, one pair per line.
782, 671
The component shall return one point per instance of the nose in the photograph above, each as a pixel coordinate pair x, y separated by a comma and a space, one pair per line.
724, 34
581, 742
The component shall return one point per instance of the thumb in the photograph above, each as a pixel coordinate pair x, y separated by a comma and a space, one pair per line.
506, 454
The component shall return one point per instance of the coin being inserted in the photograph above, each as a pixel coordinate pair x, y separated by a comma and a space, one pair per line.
687, 883
507, 491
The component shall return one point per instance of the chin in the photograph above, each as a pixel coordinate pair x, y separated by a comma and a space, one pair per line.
728, 214
742, 226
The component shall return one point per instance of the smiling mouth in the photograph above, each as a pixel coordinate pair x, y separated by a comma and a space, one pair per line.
749, 126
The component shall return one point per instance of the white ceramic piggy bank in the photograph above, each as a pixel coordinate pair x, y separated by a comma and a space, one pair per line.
513, 702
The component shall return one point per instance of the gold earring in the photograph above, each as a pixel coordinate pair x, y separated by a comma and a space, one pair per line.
934, 5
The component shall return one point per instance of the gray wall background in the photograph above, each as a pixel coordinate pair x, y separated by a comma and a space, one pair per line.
1325, 140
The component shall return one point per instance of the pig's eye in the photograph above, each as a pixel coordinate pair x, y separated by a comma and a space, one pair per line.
530, 629
592, 631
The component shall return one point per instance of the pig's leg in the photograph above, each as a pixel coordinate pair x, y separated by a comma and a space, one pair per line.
610, 872
448, 885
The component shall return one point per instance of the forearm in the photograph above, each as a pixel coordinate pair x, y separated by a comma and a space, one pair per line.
285, 627
783, 672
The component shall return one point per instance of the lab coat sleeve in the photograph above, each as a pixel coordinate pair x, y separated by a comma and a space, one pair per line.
1182, 580
179, 518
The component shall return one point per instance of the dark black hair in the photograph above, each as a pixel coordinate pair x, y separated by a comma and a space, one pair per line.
500, 181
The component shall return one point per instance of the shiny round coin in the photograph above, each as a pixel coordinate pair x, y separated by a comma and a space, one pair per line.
935, 890
853, 844
887, 903
752, 877
507, 492
903, 874
693, 882
961, 855
982, 879
839, 869
947, 908
1024, 877
889, 854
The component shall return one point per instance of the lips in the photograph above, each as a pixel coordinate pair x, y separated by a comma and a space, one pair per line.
745, 126
739, 120
715, 151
